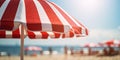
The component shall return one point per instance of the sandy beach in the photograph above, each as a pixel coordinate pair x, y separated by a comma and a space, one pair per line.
61, 57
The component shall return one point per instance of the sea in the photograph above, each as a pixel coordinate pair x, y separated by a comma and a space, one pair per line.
15, 50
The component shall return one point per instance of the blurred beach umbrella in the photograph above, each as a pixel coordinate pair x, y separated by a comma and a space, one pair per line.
38, 19
33, 48
112, 43
91, 45
101, 44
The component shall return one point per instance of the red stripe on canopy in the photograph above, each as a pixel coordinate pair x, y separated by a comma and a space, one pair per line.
2, 34
44, 35
1, 2
32, 17
57, 35
68, 35
55, 21
75, 27
31, 34
16, 34
86, 31
7, 21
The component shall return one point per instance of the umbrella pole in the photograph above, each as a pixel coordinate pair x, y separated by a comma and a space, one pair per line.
22, 43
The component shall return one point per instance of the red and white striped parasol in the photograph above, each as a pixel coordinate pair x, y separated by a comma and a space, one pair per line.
113, 43
33, 48
37, 18
91, 45
37, 15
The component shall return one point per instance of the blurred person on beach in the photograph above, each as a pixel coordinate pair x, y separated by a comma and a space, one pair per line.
65, 50
112, 51
26, 52
89, 51
41, 52
50, 50
105, 52
81, 51
71, 49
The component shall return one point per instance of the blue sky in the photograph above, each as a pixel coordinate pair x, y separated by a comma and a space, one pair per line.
93, 13
101, 17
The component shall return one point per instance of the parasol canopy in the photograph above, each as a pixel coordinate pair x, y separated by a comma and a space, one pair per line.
33, 48
37, 15
37, 18
41, 16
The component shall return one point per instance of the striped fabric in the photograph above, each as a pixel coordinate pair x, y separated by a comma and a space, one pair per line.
46, 35
10, 34
42, 35
36, 35
39, 17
